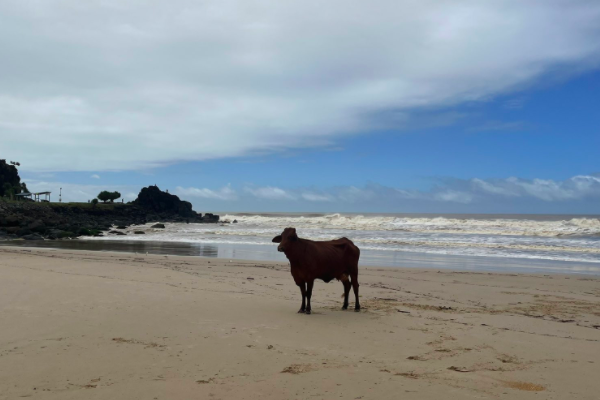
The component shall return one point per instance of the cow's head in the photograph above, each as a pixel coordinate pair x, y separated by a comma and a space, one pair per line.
286, 239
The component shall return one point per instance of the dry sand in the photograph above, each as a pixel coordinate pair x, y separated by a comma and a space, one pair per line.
90, 325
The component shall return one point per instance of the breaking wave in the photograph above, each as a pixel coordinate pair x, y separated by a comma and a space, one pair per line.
498, 226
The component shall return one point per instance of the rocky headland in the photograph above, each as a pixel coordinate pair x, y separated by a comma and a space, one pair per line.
37, 221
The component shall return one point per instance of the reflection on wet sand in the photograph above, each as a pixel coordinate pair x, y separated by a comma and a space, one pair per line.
127, 246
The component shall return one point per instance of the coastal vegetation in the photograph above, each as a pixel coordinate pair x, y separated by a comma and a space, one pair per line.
105, 196
10, 181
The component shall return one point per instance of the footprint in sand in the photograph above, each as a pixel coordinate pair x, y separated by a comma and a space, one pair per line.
297, 369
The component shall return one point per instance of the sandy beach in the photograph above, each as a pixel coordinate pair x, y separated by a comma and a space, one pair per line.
95, 325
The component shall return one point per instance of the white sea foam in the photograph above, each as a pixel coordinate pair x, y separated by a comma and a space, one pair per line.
516, 227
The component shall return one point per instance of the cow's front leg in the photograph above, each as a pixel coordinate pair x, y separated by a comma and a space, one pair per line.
309, 288
303, 291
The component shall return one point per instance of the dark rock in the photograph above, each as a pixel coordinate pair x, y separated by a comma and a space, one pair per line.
139, 232
23, 232
33, 236
118, 233
158, 226
11, 220
89, 232
65, 234
37, 226
13, 230
53, 234
208, 217
235, 221
154, 199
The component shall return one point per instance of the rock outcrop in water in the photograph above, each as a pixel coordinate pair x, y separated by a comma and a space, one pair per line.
159, 204
153, 199
35, 221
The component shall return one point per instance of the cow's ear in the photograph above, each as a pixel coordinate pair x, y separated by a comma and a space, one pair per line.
277, 239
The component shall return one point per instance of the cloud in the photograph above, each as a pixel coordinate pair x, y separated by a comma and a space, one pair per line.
498, 126
575, 188
117, 85
95, 176
225, 193
270, 193
309, 196
459, 191
515, 104
453, 196
353, 194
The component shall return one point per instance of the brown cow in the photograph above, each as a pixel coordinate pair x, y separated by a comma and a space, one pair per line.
312, 260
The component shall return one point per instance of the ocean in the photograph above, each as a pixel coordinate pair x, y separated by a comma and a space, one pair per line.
537, 242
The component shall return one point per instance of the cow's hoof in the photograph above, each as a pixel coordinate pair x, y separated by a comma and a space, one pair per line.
301, 311
307, 312
357, 309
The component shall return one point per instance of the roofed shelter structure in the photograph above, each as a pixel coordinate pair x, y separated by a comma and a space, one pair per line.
35, 196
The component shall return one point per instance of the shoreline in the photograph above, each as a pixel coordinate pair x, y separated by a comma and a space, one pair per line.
134, 326
534, 216
385, 259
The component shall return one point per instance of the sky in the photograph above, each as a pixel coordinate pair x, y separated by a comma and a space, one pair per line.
344, 106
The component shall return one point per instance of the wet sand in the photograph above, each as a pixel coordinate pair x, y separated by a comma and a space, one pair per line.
97, 325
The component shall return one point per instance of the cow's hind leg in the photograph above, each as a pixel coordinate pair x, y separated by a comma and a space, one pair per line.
347, 285
355, 287
309, 288
303, 291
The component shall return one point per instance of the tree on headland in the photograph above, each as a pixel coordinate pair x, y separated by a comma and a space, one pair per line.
105, 196
10, 182
115, 195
